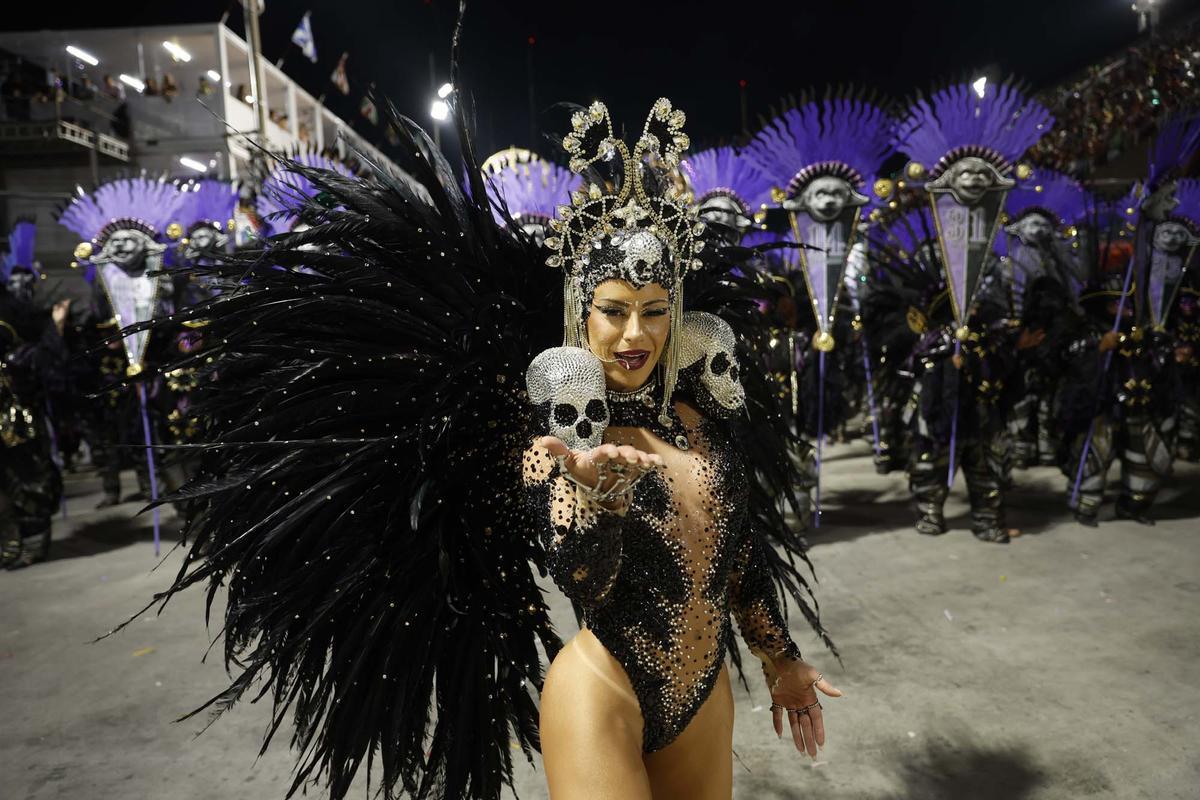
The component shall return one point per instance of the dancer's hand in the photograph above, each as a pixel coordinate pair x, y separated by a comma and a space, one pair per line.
1029, 338
59, 314
585, 465
794, 685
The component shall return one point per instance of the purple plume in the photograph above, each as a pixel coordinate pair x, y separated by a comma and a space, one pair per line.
1060, 195
207, 202
284, 192
823, 138
531, 190
721, 171
1002, 124
1175, 145
20, 248
143, 203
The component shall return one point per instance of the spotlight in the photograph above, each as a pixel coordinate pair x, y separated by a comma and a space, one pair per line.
83, 55
132, 82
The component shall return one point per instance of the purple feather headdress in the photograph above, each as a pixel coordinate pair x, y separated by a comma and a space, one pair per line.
843, 136
911, 235
284, 191
1175, 145
1187, 193
721, 172
207, 202
531, 190
20, 248
1059, 197
956, 122
142, 204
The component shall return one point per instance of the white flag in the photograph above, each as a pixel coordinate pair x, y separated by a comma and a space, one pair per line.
302, 37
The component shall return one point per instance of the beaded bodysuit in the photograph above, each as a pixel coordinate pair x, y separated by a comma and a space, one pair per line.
658, 584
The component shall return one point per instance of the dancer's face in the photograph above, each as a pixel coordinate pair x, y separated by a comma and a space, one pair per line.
627, 329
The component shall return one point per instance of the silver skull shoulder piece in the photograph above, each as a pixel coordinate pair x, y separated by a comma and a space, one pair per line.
707, 338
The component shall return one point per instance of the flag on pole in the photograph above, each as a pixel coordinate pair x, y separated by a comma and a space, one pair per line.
339, 75
302, 37
368, 110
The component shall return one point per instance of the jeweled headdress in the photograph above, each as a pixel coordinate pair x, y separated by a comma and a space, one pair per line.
285, 191
843, 137
722, 172
631, 224
20, 248
208, 203
530, 188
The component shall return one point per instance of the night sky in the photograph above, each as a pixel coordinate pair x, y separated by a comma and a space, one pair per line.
629, 53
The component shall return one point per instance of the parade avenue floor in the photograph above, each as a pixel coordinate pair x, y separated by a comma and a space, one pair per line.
1063, 665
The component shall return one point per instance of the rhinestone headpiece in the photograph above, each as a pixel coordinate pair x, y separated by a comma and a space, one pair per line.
639, 227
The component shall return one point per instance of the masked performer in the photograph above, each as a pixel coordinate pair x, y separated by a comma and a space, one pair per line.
826, 155
1044, 276
122, 224
1134, 348
32, 357
962, 143
385, 480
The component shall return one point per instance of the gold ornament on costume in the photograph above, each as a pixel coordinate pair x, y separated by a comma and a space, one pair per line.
916, 320
83, 251
962, 333
195, 323
884, 188
133, 370
824, 342
1025, 172
174, 231
915, 170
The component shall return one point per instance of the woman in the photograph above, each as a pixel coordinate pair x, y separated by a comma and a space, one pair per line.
381, 491
647, 531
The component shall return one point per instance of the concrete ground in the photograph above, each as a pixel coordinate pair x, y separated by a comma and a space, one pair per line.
1061, 666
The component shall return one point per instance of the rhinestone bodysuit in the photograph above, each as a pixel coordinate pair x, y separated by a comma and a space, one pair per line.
657, 585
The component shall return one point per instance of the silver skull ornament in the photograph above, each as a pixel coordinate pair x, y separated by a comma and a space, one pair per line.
571, 380
709, 338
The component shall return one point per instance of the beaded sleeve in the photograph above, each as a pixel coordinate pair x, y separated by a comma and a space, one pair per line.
755, 603
582, 538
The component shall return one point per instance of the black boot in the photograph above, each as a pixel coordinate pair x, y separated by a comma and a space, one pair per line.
1125, 510
996, 535
1084, 518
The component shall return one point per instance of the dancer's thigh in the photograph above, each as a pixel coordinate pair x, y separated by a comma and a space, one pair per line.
698, 765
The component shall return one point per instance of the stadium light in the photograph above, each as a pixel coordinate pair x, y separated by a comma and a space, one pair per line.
177, 52
439, 110
192, 163
214, 76
444, 90
132, 82
980, 86
83, 55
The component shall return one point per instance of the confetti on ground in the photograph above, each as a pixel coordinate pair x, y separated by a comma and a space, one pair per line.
158, 683
145, 651
949, 616
912, 734
1003, 578
757, 708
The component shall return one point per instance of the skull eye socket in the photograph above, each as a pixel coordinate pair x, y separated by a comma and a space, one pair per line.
720, 363
595, 411
584, 429
565, 414
733, 373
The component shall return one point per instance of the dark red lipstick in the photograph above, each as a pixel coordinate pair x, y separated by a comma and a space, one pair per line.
632, 359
